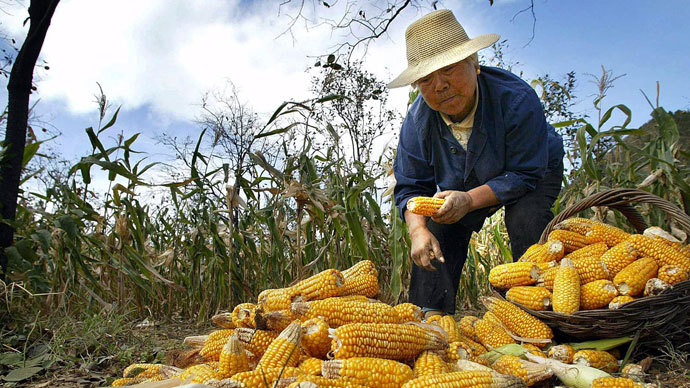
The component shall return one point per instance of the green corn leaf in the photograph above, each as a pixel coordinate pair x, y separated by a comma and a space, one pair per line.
602, 344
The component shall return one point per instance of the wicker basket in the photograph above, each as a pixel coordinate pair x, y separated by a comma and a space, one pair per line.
656, 319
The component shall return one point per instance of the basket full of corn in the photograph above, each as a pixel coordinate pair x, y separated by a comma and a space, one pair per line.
588, 279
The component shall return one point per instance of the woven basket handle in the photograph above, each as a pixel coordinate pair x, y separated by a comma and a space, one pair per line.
621, 199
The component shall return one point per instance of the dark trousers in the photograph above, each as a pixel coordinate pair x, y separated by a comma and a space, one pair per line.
525, 221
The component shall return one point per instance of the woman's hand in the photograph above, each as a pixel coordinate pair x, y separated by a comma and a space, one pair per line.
424, 248
457, 204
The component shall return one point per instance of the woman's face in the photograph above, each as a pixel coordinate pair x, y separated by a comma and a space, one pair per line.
451, 89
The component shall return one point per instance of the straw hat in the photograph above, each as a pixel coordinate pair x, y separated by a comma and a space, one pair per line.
435, 41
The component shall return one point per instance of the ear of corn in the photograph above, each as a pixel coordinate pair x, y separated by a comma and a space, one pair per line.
223, 320
372, 372
563, 353
458, 351
528, 372
233, 358
215, 343
447, 323
509, 275
198, 374
256, 341
361, 279
518, 321
662, 253
535, 298
325, 284
284, 350
655, 286
615, 382
492, 335
608, 234
619, 301
672, 274
572, 241
597, 359
430, 363
552, 250
566, 289
619, 257
589, 269
577, 224
260, 377
462, 379
276, 299
632, 279
322, 382
534, 350
476, 347
597, 294
593, 250
316, 341
311, 366
243, 315
426, 206
547, 278
408, 312
337, 312
274, 320
466, 325
384, 340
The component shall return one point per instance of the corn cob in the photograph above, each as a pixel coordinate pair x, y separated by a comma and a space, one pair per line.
547, 278
595, 250
577, 224
322, 382
214, 344
430, 363
535, 298
475, 346
662, 253
518, 321
491, 317
590, 268
233, 358
615, 382
361, 279
408, 312
597, 294
462, 379
433, 318
632, 279
534, 350
466, 325
276, 299
311, 366
384, 340
243, 315
283, 351
259, 377
672, 274
274, 320
619, 301
597, 359
337, 312
531, 373
127, 381
655, 286
633, 371
608, 234
324, 284
372, 372
198, 374
563, 353
663, 236
142, 370
458, 351
619, 257
223, 320
492, 335
509, 275
546, 266
566, 289
316, 341
256, 341
572, 241
196, 341
448, 324
425, 206
543, 253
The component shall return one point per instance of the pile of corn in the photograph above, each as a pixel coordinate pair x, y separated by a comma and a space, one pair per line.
326, 331
586, 264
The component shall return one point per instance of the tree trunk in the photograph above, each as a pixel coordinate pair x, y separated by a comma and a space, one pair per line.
19, 89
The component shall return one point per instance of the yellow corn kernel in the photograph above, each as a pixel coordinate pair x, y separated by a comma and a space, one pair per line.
274, 320
372, 372
619, 301
662, 253
384, 340
466, 325
361, 279
325, 284
311, 366
408, 312
509, 275
608, 234
597, 359
518, 321
535, 298
337, 312
255, 341
531, 373
243, 315
595, 250
276, 299
632, 279
316, 341
283, 351
127, 381
615, 382
566, 289
259, 377
214, 344
543, 253
590, 268
563, 353
462, 379
492, 335
572, 241
534, 350
233, 358
426, 206
447, 323
476, 348
672, 274
547, 278
223, 320
458, 351
198, 374
597, 294
430, 363
619, 257
142, 370
577, 224
433, 318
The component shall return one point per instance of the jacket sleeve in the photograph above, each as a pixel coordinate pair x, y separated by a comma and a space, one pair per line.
414, 174
526, 149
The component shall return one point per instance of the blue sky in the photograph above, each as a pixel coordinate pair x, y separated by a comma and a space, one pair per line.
156, 58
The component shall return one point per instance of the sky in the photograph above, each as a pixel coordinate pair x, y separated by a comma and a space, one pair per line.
156, 58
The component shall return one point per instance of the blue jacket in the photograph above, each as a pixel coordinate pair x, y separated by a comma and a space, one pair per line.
510, 149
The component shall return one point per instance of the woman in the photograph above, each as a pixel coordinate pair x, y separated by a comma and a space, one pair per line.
477, 136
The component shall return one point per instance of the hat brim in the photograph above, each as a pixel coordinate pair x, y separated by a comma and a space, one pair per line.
453, 55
